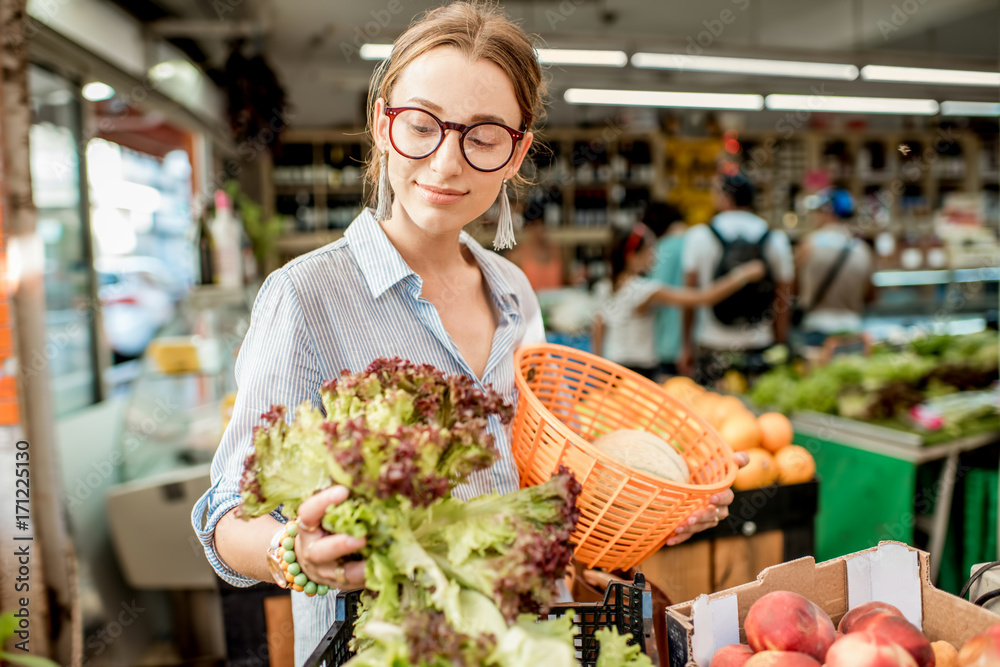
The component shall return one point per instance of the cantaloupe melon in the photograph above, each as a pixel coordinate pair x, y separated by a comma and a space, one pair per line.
646, 452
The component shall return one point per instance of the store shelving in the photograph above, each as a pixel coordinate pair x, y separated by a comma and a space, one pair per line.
588, 180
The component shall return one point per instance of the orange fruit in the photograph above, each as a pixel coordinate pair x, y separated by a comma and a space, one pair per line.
740, 430
724, 408
761, 471
795, 465
703, 404
683, 388
775, 431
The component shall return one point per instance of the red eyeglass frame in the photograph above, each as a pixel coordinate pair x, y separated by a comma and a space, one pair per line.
393, 112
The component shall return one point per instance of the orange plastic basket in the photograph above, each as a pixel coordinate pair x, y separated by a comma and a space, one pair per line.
568, 398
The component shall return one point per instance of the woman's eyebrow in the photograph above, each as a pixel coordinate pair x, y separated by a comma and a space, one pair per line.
477, 118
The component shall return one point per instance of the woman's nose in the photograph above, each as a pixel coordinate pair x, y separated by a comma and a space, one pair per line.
447, 159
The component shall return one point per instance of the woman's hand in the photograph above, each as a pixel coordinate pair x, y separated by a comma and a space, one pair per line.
709, 517
319, 554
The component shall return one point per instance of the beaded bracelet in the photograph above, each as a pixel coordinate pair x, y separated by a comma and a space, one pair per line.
296, 578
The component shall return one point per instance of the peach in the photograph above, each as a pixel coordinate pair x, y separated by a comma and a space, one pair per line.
945, 655
786, 621
899, 631
983, 650
781, 659
861, 610
866, 649
734, 655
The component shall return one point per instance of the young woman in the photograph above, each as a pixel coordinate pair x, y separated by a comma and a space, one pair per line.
451, 121
625, 327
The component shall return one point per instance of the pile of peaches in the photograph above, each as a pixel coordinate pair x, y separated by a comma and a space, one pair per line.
785, 629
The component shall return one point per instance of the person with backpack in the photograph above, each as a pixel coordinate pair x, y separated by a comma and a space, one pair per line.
735, 332
834, 272
625, 324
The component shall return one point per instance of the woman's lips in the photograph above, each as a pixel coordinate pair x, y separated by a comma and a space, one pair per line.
439, 195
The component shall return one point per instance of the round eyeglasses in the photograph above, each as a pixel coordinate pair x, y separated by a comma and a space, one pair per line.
416, 133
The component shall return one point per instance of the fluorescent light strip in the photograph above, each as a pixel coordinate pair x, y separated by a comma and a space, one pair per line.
955, 77
954, 108
655, 98
753, 66
375, 51
829, 103
582, 57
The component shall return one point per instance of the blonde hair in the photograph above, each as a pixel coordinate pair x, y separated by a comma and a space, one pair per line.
479, 30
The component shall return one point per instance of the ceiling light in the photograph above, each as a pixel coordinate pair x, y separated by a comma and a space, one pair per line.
753, 66
163, 71
655, 98
582, 57
824, 103
956, 77
375, 51
953, 108
96, 91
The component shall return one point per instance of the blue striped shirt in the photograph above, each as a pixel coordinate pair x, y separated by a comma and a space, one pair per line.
341, 307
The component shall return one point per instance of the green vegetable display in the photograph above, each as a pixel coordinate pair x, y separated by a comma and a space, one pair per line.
447, 582
886, 384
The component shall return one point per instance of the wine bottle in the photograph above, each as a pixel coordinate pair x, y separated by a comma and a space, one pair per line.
206, 250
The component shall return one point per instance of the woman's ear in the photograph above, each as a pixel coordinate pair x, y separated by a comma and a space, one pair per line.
381, 126
519, 155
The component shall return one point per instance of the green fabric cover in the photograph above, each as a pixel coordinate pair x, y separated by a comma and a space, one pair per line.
864, 498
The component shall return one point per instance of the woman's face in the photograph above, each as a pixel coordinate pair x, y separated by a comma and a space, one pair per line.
442, 193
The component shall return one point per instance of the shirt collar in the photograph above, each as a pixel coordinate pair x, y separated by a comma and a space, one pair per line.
379, 261
382, 266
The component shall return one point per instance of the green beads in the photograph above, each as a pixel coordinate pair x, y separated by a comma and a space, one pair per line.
294, 569
288, 544
322, 589
292, 529
309, 588
289, 556
301, 579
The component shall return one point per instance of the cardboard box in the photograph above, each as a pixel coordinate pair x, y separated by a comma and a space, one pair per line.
892, 572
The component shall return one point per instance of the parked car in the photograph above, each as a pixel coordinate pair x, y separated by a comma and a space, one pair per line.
138, 296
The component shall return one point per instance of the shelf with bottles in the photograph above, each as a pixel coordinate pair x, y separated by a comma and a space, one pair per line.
317, 181
583, 177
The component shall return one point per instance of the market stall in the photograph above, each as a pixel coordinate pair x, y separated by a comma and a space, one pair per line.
875, 423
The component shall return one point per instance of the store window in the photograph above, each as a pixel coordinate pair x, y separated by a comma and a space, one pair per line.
55, 141
142, 225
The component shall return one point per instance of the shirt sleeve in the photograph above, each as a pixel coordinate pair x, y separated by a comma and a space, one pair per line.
694, 246
778, 253
276, 365
639, 290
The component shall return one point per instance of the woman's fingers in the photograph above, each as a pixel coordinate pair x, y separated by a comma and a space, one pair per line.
311, 511
722, 498
330, 548
741, 458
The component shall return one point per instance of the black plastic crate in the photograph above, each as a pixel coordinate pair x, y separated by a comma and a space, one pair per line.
626, 607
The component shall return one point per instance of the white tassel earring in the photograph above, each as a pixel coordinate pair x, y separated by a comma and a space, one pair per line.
505, 223
383, 210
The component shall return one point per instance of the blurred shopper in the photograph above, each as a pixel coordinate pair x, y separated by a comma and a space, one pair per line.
625, 326
834, 272
734, 333
668, 224
539, 258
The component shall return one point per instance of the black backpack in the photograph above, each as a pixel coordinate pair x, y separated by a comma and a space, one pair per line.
753, 302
